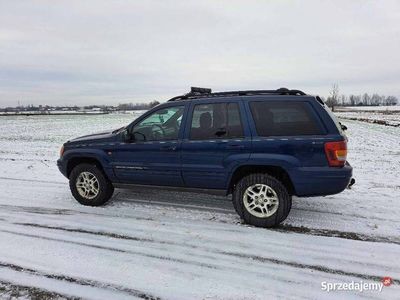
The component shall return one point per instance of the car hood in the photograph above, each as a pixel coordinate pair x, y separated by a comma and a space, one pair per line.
95, 137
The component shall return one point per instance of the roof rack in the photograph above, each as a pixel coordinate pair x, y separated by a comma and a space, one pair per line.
196, 92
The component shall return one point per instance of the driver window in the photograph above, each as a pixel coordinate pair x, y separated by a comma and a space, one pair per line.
161, 125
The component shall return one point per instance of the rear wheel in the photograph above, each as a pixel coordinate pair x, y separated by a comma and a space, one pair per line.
261, 200
89, 185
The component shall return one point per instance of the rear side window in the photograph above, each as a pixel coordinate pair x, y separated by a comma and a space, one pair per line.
273, 118
218, 120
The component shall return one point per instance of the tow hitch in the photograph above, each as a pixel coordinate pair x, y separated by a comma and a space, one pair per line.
351, 183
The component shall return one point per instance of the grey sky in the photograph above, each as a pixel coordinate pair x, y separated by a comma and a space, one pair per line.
107, 52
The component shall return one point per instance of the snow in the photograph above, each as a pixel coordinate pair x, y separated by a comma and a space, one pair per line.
384, 118
384, 115
161, 244
368, 108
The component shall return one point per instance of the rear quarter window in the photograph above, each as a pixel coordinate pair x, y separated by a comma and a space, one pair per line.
278, 118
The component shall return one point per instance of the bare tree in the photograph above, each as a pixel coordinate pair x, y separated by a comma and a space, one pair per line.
391, 100
366, 99
343, 100
333, 99
353, 100
375, 100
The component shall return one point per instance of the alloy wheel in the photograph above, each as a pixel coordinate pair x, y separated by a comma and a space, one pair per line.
87, 185
260, 200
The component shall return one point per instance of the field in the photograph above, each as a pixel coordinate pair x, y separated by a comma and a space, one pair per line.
150, 244
383, 115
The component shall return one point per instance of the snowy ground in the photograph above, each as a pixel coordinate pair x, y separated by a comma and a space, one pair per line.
369, 108
150, 244
383, 115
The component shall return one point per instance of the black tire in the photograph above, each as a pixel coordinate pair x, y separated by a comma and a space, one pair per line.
284, 206
235, 204
105, 187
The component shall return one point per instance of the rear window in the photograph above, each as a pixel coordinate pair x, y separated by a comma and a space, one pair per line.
273, 118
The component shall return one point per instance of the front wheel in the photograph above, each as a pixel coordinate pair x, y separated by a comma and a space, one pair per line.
261, 200
89, 185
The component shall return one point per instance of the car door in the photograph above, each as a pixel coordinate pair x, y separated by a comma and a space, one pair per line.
152, 154
216, 140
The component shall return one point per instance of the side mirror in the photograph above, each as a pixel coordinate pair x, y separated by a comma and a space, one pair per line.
127, 137
138, 136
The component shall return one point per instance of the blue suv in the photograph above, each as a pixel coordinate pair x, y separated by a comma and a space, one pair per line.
261, 146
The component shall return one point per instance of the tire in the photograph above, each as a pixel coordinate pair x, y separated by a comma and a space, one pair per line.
268, 191
235, 205
85, 194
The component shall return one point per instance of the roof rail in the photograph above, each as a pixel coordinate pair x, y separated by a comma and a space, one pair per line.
196, 92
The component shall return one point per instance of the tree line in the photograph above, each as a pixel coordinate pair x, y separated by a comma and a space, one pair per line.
335, 99
105, 108
137, 106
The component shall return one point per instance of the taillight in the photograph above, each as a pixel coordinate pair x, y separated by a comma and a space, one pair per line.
336, 153
62, 151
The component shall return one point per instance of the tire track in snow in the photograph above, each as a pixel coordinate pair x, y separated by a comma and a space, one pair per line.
308, 266
262, 259
335, 233
190, 206
285, 227
33, 180
281, 228
160, 257
11, 290
62, 211
81, 281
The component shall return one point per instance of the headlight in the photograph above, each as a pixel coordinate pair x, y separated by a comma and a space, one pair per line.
62, 151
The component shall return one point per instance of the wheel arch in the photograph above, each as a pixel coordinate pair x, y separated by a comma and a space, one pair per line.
276, 171
74, 161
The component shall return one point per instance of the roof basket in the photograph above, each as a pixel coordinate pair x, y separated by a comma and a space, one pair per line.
196, 92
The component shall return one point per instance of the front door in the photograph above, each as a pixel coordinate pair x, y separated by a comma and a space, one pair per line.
153, 154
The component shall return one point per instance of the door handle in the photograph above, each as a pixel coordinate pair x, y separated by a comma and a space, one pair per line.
168, 148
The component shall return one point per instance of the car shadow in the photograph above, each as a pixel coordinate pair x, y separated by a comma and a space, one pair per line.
189, 200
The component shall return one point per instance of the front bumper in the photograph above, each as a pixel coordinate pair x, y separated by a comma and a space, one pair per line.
62, 166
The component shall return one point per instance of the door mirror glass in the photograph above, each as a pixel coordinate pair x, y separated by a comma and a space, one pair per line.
138, 136
126, 136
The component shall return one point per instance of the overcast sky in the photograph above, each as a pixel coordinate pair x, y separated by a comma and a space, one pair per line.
109, 52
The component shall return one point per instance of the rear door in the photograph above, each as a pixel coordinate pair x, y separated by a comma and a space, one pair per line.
216, 140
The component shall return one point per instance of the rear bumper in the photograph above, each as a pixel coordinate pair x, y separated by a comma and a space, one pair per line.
321, 181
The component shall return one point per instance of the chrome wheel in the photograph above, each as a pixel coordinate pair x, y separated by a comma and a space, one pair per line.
87, 185
260, 200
